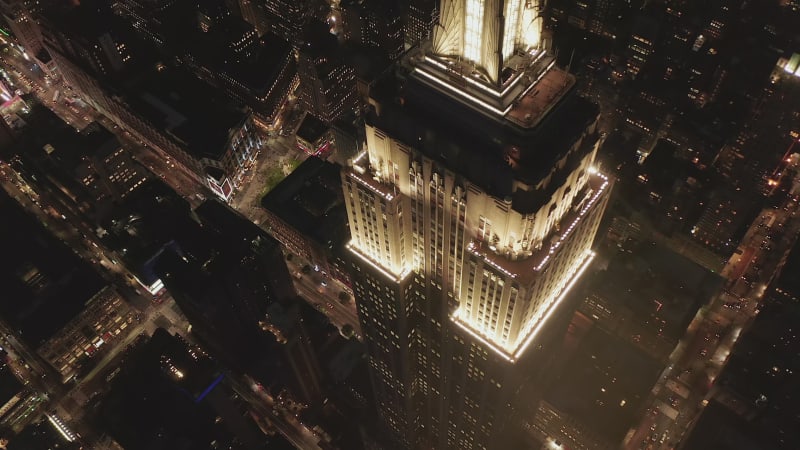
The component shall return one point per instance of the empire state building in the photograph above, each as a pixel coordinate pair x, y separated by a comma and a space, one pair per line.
472, 212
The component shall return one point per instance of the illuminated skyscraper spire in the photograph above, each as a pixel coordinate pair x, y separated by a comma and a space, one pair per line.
487, 32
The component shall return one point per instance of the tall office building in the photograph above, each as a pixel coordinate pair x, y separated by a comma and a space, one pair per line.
421, 17
327, 83
19, 16
472, 213
286, 17
382, 27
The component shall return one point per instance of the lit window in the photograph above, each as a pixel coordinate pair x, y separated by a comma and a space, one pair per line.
472, 33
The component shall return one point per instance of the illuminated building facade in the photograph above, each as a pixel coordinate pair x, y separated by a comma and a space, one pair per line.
472, 213
105, 319
16, 401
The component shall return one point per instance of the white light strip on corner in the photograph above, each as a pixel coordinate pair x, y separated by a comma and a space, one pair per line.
553, 306
477, 84
359, 157
574, 223
464, 326
62, 428
396, 278
388, 196
471, 248
499, 94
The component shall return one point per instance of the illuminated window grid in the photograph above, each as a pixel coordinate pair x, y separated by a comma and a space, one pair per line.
515, 353
473, 22
512, 19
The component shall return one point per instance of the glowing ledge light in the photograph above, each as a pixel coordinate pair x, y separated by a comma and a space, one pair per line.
396, 278
154, 288
471, 248
59, 425
537, 56
500, 352
359, 157
385, 195
471, 81
464, 94
574, 223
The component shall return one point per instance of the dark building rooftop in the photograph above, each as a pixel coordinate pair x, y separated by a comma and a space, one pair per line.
310, 201
48, 134
45, 285
225, 280
260, 73
53, 150
664, 156
82, 22
659, 286
646, 27
490, 153
311, 129
158, 400
757, 397
317, 40
145, 223
368, 62
719, 428
228, 223
604, 384
186, 108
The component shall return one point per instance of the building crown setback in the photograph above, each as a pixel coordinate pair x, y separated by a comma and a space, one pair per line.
515, 233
